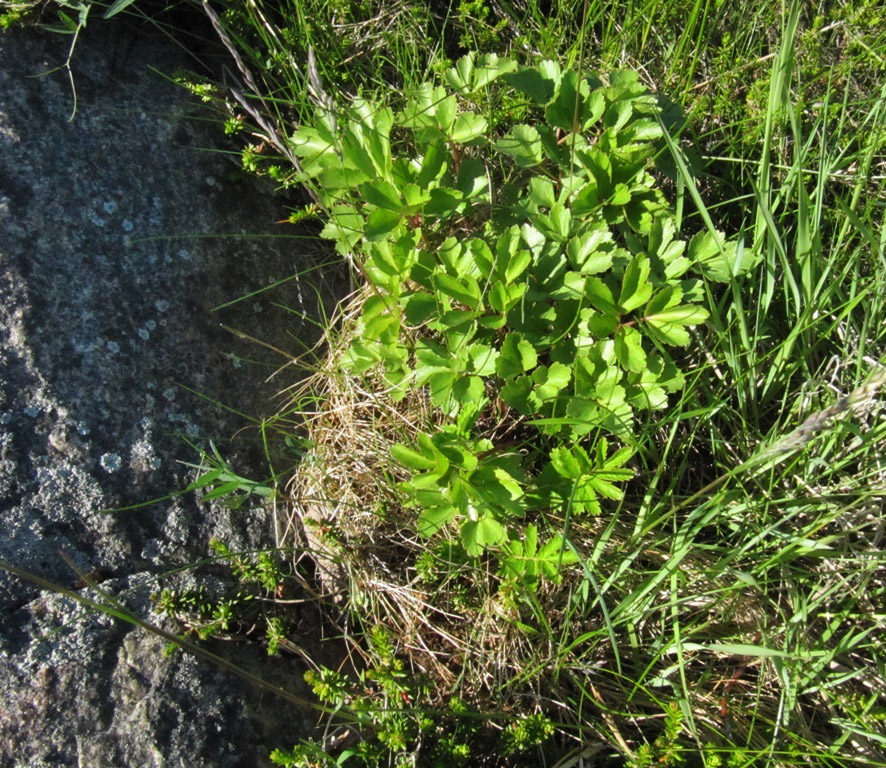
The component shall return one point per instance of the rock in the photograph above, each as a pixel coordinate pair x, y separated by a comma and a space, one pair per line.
110, 266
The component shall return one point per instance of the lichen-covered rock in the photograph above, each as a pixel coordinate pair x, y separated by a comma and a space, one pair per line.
111, 262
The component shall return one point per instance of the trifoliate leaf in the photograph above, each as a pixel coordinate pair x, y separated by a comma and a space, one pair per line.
471, 74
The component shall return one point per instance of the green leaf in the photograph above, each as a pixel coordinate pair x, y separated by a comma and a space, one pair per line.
688, 314
460, 77
412, 459
466, 77
549, 381
644, 129
483, 258
668, 326
601, 297
539, 83
541, 191
516, 394
490, 67
433, 164
478, 536
667, 297
567, 463
370, 130
443, 202
629, 349
432, 519
553, 555
360, 357
419, 308
467, 389
573, 287
483, 358
118, 6
432, 358
380, 224
311, 144
345, 226
522, 143
717, 259
222, 490
635, 286
562, 112
502, 298
382, 194
507, 481
517, 356
583, 251
468, 126
557, 224
472, 181
621, 195
584, 415
466, 290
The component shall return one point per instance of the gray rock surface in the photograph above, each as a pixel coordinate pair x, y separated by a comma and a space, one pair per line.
109, 269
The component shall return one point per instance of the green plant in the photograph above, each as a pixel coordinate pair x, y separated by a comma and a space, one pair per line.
536, 271
218, 481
